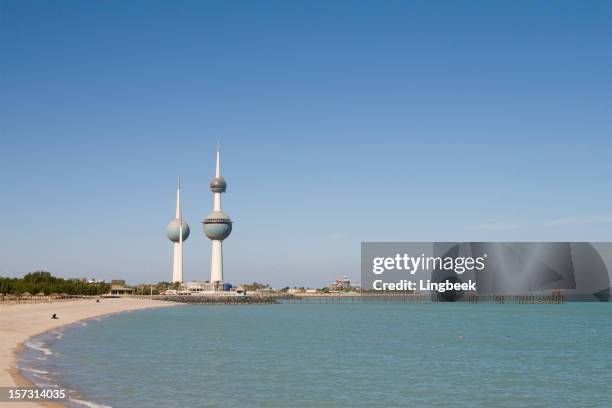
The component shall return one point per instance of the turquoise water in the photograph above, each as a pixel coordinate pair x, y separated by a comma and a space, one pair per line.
339, 355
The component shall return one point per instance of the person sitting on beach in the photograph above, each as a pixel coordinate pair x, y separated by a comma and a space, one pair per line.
54, 316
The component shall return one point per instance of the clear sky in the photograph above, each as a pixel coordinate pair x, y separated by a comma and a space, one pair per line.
340, 122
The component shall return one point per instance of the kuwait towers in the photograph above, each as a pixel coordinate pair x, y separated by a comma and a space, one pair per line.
178, 232
217, 227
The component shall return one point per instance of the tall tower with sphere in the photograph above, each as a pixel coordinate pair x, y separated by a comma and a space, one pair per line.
217, 227
178, 232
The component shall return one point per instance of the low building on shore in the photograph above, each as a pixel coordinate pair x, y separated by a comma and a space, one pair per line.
198, 287
119, 287
195, 287
341, 284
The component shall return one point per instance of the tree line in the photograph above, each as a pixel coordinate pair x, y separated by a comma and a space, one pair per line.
41, 281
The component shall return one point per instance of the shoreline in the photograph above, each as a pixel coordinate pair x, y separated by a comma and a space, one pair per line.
21, 381
21, 322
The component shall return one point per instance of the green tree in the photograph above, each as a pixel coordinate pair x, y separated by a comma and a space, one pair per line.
41, 281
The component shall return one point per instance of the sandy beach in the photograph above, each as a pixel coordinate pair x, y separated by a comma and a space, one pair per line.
22, 321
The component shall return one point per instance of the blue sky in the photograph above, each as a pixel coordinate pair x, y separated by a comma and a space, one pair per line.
340, 122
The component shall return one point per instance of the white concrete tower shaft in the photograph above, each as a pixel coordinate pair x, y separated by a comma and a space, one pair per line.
177, 268
216, 266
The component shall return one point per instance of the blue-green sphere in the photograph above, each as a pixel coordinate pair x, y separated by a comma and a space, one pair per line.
217, 225
173, 230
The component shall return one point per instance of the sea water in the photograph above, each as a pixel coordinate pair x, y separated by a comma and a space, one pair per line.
334, 355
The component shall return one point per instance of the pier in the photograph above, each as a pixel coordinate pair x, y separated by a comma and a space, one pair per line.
218, 299
555, 297
552, 297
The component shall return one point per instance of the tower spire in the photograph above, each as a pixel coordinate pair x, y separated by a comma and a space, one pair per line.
218, 171
178, 198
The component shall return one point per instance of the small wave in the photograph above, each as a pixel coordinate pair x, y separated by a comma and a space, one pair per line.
58, 334
47, 385
38, 346
84, 324
42, 377
33, 370
89, 404
36, 373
